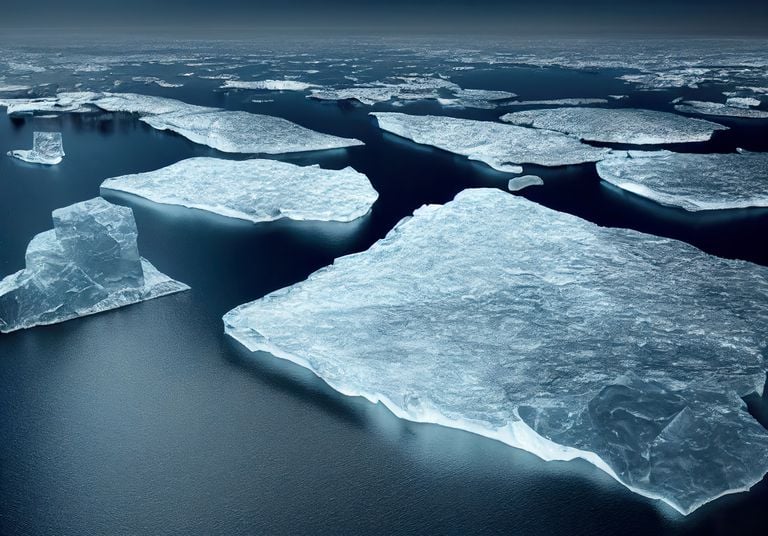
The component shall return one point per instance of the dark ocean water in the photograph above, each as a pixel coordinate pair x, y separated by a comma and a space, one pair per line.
148, 420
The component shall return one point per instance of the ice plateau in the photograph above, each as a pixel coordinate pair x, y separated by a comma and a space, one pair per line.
692, 181
257, 190
503, 147
47, 148
88, 263
499, 316
617, 125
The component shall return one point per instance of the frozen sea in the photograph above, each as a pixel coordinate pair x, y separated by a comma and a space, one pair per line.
149, 420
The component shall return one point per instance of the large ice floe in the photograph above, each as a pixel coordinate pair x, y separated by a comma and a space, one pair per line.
692, 181
256, 190
728, 109
617, 125
47, 148
225, 130
499, 316
269, 85
503, 147
88, 263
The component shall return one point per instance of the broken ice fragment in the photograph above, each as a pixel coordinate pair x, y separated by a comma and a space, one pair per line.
720, 109
46, 149
518, 183
692, 181
558, 102
617, 125
255, 190
501, 146
499, 316
87, 264
271, 85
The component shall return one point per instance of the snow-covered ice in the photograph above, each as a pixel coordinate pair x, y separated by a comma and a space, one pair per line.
503, 147
88, 263
47, 148
256, 190
617, 125
692, 181
499, 316
720, 109
558, 102
271, 85
524, 181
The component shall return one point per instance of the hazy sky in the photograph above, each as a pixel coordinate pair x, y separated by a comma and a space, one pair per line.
512, 17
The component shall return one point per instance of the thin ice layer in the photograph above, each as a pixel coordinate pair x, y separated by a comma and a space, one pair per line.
617, 125
47, 148
503, 147
88, 263
255, 190
692, 181
501, 317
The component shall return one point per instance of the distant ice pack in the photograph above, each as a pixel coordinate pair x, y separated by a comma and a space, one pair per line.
256, 190
88, 263
499, 316
734, 108
692, 181
47, 148
501, 146
617, 125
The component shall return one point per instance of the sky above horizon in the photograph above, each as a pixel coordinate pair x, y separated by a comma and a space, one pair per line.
513, 17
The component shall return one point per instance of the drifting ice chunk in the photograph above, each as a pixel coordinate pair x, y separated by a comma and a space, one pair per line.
47, 149
720, 109
532, 334
476, 98
501, 146
518, 183
692, 181
254, 190
364, 95
558, 102
272, 85
87, 264
742, 102
622, 125
72, 102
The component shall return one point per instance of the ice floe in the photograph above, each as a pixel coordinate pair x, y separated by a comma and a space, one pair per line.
271, 85
47, 148
557, 102
692, 181
88, 263
502, 146
257, 190
524, 181
720, 109
499, 316
618, 125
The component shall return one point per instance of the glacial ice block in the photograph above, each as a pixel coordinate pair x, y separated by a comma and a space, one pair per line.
256, 190
88, 263
501, 146
499, 316
47, 148
617, 125
720, 109
692, 181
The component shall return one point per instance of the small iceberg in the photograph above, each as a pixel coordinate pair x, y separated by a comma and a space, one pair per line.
88, 263
518, 183
256, 190
47, 148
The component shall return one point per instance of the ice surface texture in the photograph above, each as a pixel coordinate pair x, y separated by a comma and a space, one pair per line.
692, 181
47, 148
255, 190
618, 125
501, 146
730, 109
87, 264
498, 316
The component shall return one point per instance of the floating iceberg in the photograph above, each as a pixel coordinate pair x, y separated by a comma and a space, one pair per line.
87, 264
720, 109
617, 125
518, 183
692, 181
742, 102
475, 98
498, 316
364, 95
503, 147
559, 102
255, 190
271, 85
47, 148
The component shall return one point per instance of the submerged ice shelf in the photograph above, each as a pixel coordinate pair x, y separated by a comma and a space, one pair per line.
47, 148
257, 190
692, 181
498, 316
501, 146
88, 263
617, 125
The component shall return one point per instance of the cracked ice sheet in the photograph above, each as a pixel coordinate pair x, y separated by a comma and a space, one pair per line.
499, 316
620, 125
503, 147
692, 181
255, 190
